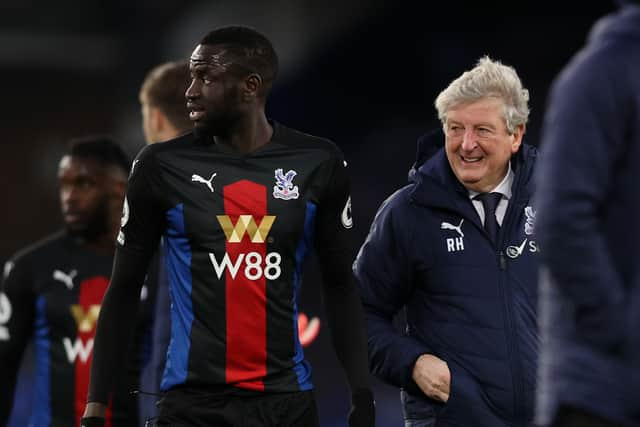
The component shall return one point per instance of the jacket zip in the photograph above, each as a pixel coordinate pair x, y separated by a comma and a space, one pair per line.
516, 368
511, 335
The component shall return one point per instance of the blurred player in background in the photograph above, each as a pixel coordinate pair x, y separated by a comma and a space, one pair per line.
163, 104
52, 292
589, 206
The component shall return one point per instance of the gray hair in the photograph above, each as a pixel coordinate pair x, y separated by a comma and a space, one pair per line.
488, 79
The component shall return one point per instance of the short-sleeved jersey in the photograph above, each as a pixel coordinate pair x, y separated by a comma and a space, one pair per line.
237, 229
52, 293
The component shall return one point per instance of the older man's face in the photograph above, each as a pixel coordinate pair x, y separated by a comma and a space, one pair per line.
478, 145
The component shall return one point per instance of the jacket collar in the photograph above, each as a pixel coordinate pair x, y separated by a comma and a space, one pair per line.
436, 185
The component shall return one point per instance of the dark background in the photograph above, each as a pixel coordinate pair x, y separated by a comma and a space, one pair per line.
364, 74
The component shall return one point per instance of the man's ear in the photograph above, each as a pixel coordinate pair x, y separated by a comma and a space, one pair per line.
517, 138
252, 86
157, 120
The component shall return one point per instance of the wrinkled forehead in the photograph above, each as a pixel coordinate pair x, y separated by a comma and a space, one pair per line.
215, 56
488, 107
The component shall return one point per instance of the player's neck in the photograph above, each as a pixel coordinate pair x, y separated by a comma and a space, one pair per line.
105, 243
102, 244
169, 132
249, 134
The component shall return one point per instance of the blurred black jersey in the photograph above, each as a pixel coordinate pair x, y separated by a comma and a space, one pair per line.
51, 293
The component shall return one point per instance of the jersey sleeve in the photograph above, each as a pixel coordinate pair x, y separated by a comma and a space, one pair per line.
143, 211
141, 227
335, 249
334, 229
17, 303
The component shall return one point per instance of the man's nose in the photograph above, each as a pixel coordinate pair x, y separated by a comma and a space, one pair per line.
468, 140
68, 196
193, 91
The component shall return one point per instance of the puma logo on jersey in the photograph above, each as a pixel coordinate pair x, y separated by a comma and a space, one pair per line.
65, 278
208, 182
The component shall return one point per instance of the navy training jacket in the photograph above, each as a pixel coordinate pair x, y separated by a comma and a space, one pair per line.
467, 301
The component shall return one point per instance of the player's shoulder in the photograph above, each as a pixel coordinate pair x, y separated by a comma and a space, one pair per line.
298, 139
182, 140
42, 250
154, 154
179, 142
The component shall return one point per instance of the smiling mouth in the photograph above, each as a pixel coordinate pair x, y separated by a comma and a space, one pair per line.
471, 159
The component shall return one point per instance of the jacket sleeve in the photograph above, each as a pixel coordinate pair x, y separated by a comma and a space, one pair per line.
583, 139
383, 270
17, 304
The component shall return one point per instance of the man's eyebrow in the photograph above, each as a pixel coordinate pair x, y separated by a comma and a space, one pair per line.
212, 59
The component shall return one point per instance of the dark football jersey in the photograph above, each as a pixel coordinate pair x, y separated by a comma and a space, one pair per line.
237, 228
52, 294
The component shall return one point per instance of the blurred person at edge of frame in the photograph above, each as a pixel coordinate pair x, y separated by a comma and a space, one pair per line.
588, 210
53, 290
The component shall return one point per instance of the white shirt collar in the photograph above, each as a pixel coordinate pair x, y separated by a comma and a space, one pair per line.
503, 188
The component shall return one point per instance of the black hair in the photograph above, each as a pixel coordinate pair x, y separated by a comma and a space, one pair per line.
249, 48
101, 148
